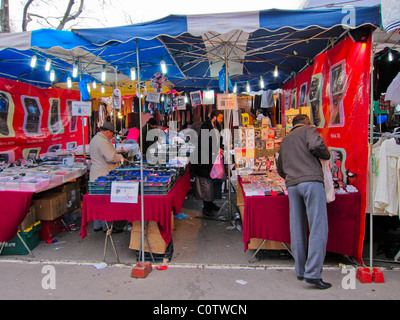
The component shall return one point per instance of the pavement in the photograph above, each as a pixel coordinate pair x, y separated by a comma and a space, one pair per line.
208, 264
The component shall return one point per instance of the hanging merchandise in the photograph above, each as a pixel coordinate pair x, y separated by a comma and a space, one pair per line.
157, 82
222, 80
85, 95
117, 99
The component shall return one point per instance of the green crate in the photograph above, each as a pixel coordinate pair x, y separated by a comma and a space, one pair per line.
30, 236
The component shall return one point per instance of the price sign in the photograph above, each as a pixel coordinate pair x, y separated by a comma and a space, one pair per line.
227, 101
124, 191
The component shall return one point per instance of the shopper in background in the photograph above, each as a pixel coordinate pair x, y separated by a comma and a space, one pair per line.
104, 158
151, 124
204, 188
260, 114
299, 165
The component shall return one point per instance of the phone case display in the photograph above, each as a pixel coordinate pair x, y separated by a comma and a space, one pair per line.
337, 91
267, 184
39, 178
315, 101
6, 115
33, 115
157, 180
72, 119
255, 148
55, 124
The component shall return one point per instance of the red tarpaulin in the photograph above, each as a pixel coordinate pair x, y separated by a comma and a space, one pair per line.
36, 120
337, 88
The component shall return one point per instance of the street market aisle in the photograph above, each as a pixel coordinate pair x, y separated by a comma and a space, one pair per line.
26, 281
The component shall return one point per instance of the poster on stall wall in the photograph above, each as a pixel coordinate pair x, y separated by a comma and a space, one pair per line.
35, 120
338, 97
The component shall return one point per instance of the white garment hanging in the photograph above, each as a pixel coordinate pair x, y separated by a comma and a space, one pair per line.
393, 91
387, 183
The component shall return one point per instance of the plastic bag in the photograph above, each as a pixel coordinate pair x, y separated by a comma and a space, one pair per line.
328, 181
218, 169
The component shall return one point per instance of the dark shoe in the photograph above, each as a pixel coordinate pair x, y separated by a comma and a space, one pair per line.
98, 229
300, 278
318, 283
207, 212
214, 207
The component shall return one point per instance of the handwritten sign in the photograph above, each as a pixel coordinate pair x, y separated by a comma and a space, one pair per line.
81, 108
227, 101
124, 191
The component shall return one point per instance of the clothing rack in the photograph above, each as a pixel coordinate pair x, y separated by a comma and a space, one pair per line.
389, 135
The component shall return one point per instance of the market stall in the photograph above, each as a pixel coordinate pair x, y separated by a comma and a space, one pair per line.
275, 46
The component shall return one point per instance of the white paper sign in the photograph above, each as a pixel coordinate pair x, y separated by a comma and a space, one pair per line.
81, 108
124, 191
153, 97
227, 101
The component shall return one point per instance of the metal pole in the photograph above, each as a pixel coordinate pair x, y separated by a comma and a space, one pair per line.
371, 142
141, 155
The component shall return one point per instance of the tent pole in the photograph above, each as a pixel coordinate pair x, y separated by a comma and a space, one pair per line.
141, 147
371, 142
83, 126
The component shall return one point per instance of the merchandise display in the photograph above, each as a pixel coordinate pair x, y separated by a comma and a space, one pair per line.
157, 180
40, 177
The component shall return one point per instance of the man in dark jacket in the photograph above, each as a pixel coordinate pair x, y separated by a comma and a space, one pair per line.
299, 165
208, 147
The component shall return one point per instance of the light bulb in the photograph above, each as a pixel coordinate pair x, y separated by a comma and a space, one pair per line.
69, 82
235, 88
94, 84
390, 56
103, 89
33, 61
261, 83
276, 71
75, 71
103, 74
88, 87
48, 65
133, 73
163, 66
248, 87
52, 75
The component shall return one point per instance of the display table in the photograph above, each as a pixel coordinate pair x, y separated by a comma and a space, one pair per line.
267, 217
156, 208
13, 210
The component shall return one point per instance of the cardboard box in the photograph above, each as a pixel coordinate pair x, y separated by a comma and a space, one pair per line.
156, 241
29, 219
51, 207
73, 193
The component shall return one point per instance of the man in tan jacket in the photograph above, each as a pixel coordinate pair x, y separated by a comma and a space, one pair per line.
104, 158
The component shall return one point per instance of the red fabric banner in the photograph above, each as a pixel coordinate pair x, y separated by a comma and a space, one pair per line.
337, 88
36, 120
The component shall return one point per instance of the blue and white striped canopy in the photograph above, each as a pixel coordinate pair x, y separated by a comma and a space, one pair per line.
194, 47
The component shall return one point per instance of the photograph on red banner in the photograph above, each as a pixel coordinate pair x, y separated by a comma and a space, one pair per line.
337, 101
36, 121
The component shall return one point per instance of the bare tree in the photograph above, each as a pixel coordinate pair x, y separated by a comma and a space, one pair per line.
5, 19
69, 14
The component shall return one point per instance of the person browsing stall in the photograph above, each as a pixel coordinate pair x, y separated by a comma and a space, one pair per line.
151, 124
298, 163
207, 153
104, 158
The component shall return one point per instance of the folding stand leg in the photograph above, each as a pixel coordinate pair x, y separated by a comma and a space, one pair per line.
25, 245
397, 256
2, 246
108, 234
258, 249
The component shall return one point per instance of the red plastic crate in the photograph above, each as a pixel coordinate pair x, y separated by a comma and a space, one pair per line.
49, 229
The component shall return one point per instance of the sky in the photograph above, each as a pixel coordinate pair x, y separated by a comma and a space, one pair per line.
121, 12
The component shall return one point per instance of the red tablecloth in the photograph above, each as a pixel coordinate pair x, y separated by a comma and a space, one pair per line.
267, 217
13, 209
156, 208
